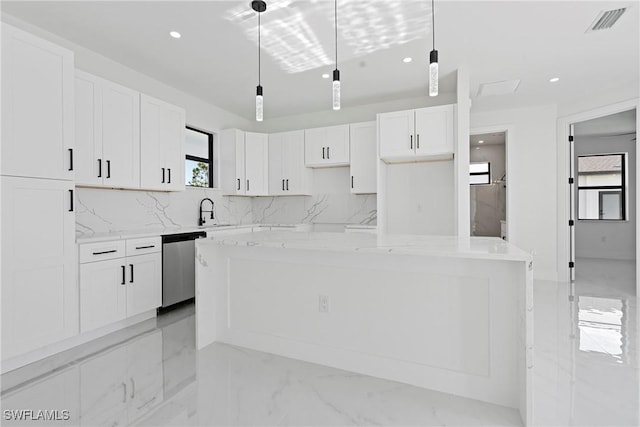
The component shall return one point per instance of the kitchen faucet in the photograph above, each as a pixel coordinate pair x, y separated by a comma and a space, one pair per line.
201, 220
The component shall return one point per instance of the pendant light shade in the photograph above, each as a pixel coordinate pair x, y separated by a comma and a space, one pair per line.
259, 6
433, 57
336, 72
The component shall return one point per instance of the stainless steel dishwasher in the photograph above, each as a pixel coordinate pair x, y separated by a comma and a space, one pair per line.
179, 267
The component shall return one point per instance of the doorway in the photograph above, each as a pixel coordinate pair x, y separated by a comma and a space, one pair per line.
488, 184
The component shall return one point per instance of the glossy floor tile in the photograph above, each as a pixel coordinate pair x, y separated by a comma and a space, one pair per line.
586, 373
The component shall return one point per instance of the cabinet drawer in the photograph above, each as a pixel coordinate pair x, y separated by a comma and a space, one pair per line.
146, 245
90, 252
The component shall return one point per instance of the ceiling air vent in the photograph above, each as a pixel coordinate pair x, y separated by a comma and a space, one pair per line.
606, 19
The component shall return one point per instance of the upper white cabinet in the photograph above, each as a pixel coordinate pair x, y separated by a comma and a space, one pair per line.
39, 268
327, 146
244, 169
37, 107
364, 158
161, 145
107, 129
287, 172
414, 135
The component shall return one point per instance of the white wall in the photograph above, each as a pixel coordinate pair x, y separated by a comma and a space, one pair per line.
609, 239
531, 162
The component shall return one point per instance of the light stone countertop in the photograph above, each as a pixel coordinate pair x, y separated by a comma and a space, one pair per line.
490, 248
150, 232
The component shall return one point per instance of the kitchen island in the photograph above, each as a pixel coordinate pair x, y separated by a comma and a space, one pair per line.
446, 313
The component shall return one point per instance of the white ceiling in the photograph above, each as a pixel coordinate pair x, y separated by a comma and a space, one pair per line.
216, 58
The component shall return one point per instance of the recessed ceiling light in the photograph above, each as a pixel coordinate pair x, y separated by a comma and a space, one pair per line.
481, 142
477, 148
555, 79
325, 76
407, 59
175, 34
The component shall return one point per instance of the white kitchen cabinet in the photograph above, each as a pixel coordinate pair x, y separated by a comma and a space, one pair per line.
116, 282
256, 161
145, 375
107, 133
232, 162
327, 146
39, 267
37, 107
417, 135
162, 128
287, 172
364, 159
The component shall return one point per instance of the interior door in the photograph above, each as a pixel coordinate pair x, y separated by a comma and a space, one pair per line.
572, 206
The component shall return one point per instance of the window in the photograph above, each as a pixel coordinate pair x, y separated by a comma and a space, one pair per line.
199, 162
601, 187
479, 173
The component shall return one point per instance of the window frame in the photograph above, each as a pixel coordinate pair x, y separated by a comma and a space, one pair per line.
487, 173
209, 161
622, 188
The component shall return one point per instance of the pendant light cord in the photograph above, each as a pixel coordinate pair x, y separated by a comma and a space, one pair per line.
335, 14
433, 24
259, 81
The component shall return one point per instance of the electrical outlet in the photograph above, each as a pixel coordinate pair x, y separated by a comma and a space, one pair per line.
323, 303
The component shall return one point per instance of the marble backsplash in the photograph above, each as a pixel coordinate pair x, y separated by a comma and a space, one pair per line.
105, 210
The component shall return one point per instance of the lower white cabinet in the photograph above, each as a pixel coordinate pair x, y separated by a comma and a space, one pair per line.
39, 264
119, 279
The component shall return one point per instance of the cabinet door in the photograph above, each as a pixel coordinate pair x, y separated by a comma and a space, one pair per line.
363, 158
276, 164
103, 293
144, 283
434, 130
297, 177
232, 162
173, 132
37, 107
121, 135
337, 144
39, 264
88, 130
104, 389
315, 152
256, 161
396, 135
145, 375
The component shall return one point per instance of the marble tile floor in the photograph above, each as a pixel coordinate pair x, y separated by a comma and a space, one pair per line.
586, 373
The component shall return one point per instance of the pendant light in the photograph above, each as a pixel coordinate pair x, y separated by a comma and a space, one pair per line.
259, 6
336, 72
433, 57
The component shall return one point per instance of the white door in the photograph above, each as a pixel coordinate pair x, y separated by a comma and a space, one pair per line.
143, 283
276, 164
363, 158
121, 135
256, 161
434, 130
396, 135
337, 144
88, 130
39, 264
145, 375
37, 107
297, 177
103, 293
315, 151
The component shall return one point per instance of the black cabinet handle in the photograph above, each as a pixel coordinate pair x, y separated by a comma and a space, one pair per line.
99, 168
351, 181
287, 184
247, 185
418, 141
145, 247
283, 185
411, 141
131, 266
123, 274
323, 152
328, 156
238, 184
169, 181
70, 159
70, 200
108, 168
163, 175
105, 252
